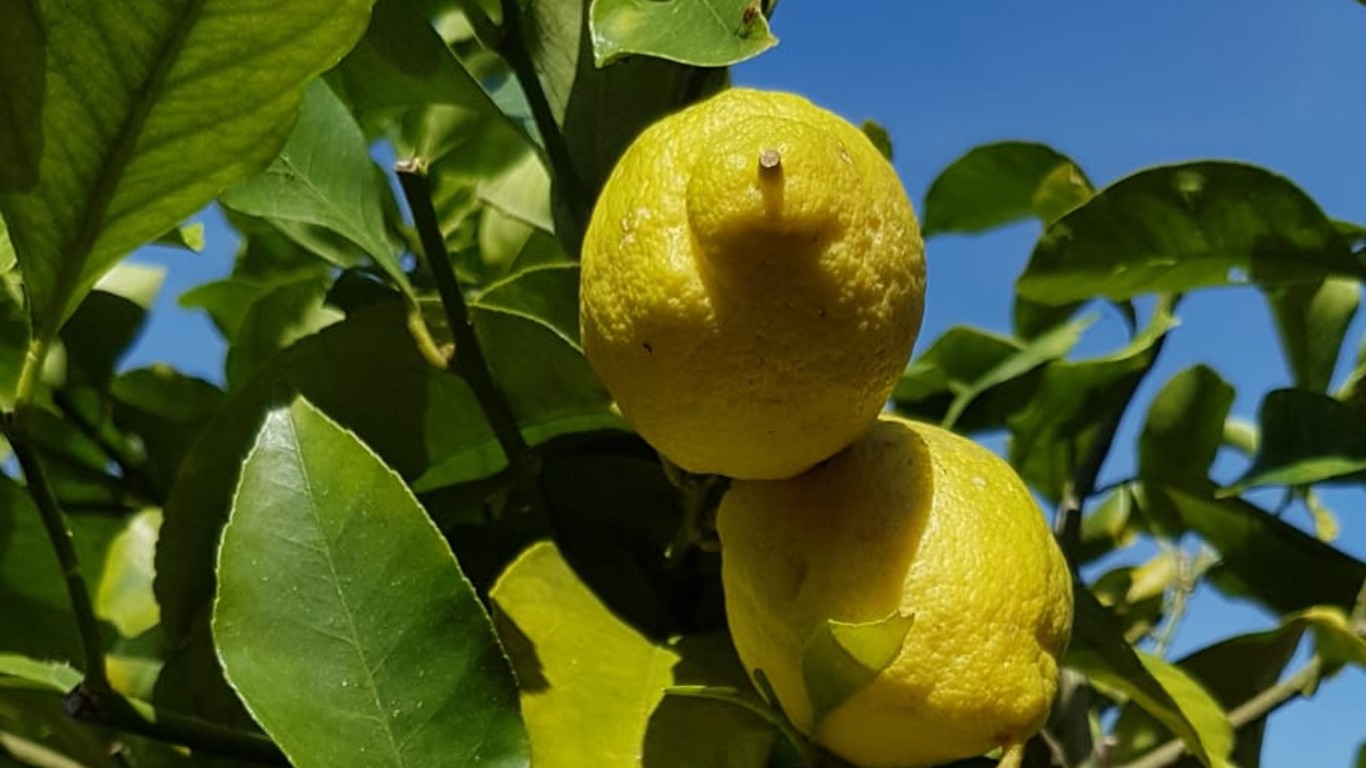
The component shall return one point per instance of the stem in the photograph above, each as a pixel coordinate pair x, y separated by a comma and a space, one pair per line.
1185, 585
569, 187
468, 361
96, 677
110, 709
1249, 712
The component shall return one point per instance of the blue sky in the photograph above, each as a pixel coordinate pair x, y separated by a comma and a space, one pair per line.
1118, 87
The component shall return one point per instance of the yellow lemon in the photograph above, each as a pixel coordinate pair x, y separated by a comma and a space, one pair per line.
911, 520
753, 280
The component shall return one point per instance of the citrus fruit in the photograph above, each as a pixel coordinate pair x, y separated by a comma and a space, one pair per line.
916, 522
753, 280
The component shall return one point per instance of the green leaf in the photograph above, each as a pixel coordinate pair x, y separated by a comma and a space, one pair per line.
1312, 320
1098, 649
50, 675
33, 598
1306, 438
324, 177
600, 111
840, 658
124, 597
109, 321
705, 33
277, 319
328, 558
997, 184
599, 689
226, 302
1268, 560
166, 410
1053, 345
144, 116
960, 357
402, 64
1180, 438
1181, 227
878, 134
186, 237
1072, 402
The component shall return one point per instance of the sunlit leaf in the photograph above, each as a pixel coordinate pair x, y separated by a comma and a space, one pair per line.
138, 117
324, 177
1052, 345
124, 597
1099, 650
840, 658
1312, 320
599, 689
705, 33
344, 621
960, 357
1181, 227
1306, 438
997, 184
186, 237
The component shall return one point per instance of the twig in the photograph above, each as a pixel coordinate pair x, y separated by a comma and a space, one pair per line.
108, 708
468, 361
1249, 712
568, 186
16, 432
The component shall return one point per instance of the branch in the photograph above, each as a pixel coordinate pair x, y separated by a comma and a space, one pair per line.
468, 361
1249, 712
568, 186
108, 708
35, 479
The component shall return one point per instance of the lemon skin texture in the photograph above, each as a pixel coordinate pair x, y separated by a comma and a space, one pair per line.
752, 283
917, 520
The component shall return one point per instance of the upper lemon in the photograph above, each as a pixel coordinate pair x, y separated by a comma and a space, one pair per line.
917, 521
753, 281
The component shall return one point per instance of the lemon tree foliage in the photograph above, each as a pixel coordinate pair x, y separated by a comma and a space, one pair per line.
421, 516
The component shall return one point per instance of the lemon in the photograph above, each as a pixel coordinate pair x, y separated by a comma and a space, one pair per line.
752, 283
917, 521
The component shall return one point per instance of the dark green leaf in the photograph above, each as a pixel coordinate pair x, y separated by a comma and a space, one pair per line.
1312, 320
1053, 345
172, 124
1073, 401
166, 410
324, 177
881, 139
997, 184
599, 689
277, 319
1268, 560
705, 33
327, 557
1181, 227
402, 63
23, 43
1180, 438
1099, 650
1306, 438
226, 302
958, 358
103, 327
33, 598
1233, 671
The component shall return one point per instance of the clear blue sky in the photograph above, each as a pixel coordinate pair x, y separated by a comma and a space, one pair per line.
1117, 86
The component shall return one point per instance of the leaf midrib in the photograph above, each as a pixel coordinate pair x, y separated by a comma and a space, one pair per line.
72, 262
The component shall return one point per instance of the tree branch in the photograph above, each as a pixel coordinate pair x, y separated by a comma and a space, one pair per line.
468, 361
568, 186
108, 708
40, 490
